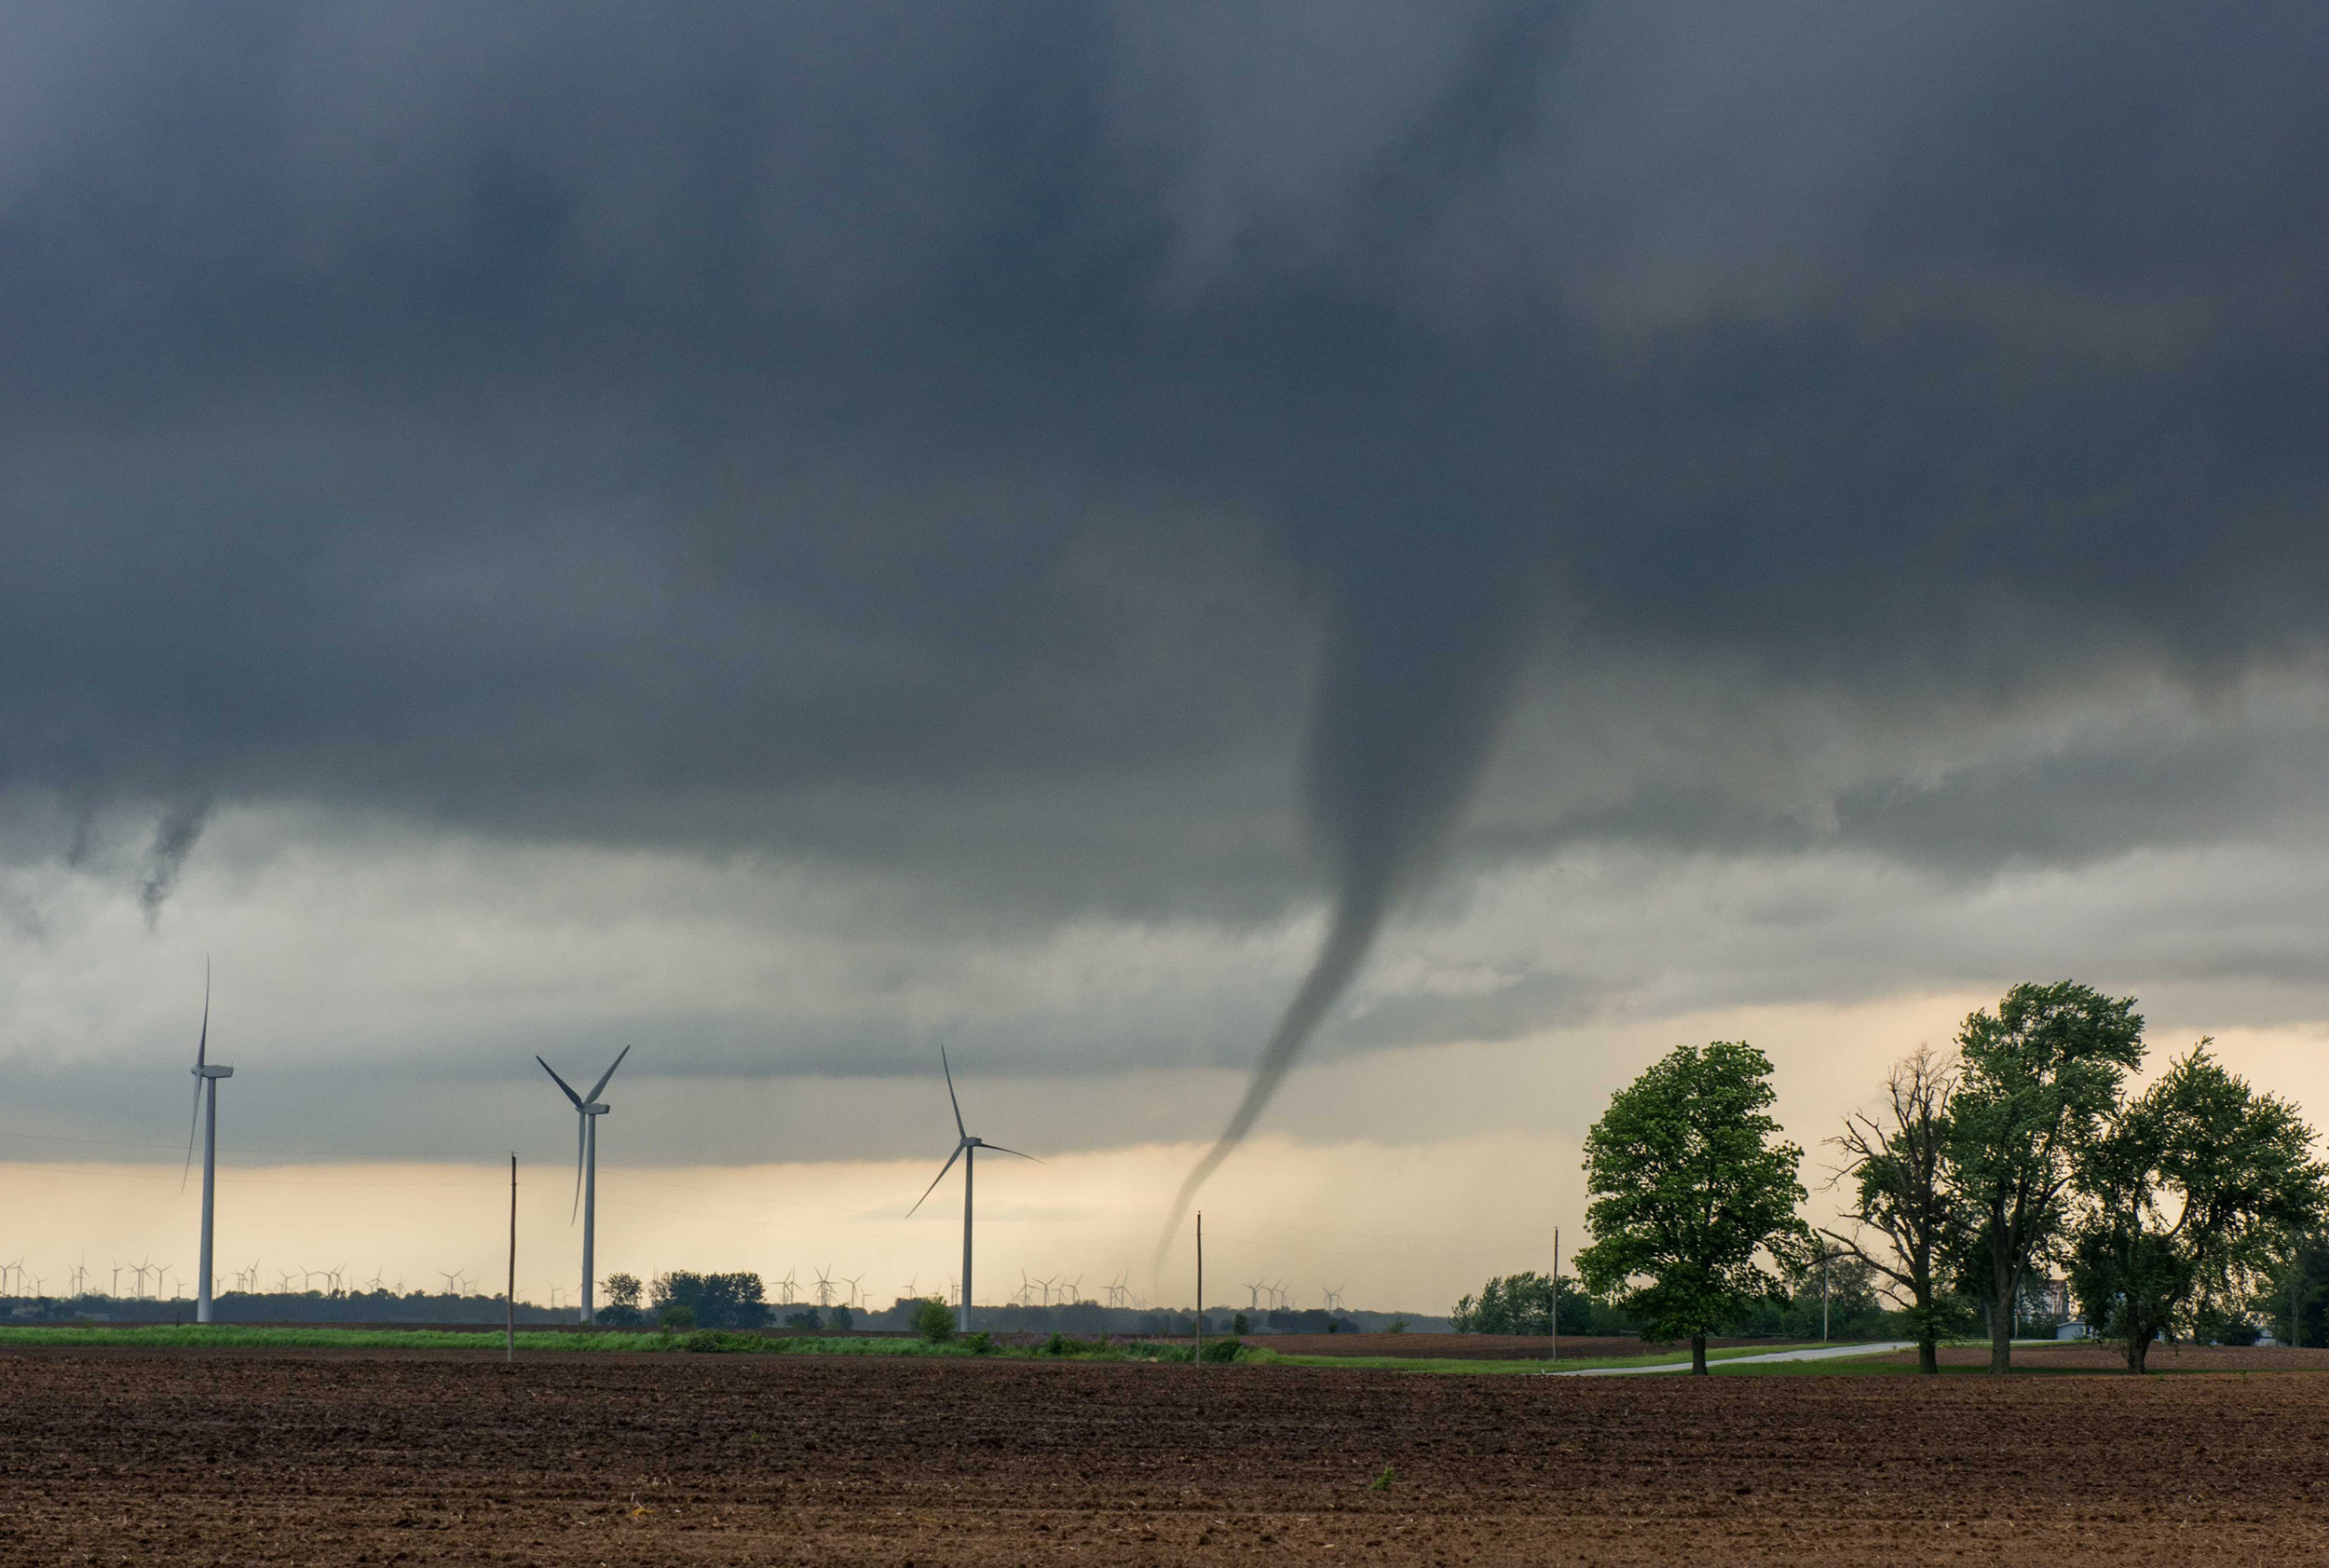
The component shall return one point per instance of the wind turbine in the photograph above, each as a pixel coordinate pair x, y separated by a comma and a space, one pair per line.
965, 1150
206, 1079
587, 1109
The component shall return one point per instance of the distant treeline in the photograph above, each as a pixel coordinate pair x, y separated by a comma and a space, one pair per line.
684, 1299
1523, 1303
280, 1306
702, 1300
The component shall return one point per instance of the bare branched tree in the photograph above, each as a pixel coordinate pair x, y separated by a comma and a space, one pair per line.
1895, 1162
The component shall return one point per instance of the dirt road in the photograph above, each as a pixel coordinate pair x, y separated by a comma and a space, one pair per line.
252, 1459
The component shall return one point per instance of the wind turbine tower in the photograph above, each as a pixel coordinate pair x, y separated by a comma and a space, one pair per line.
205, 1077
588, 1109
965, 1149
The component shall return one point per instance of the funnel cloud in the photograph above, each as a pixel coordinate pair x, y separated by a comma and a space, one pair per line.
1406, 711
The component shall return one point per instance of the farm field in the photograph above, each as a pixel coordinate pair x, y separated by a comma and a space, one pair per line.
322, 1457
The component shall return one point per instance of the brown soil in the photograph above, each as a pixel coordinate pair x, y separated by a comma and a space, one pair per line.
669, 1460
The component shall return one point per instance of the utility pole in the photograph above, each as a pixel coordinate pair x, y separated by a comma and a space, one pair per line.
1556, 1355
1200, 1287
1823, 1296
510, 1302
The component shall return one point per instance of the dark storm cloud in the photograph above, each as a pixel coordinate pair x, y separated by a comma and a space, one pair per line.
989, 445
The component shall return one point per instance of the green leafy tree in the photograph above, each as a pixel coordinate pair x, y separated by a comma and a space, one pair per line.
1523, 1303
2189, 1197
1896, 1164
2295, 1300
933, 1320
2034, 1078
716, 1300
1836, 1296
623, 1289
1692, 1188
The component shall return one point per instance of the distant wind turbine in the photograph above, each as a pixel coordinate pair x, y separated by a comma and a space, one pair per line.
587, 1109
206, 1079
965, 1150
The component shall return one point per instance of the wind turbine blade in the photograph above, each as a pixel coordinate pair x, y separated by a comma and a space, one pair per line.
936, 1180
961, 1131
185, 1174
1000, 1150
561, 1083
201, 1049
581, 1131
609, 1073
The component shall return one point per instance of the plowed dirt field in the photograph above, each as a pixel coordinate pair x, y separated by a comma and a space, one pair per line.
189, 1459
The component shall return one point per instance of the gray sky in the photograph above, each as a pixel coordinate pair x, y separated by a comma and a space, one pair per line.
790, 534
